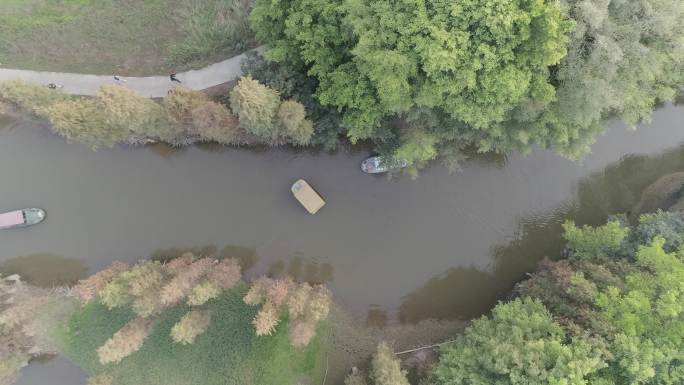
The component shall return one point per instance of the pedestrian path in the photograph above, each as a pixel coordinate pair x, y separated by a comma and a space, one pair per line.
149, 86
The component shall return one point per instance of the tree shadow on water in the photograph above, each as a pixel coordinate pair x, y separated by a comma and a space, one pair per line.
45, 270
467, 292
246, 256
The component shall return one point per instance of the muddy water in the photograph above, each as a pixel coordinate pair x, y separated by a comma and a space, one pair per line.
444, 245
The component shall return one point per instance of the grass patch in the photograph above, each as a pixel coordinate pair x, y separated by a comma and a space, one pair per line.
128, 37
229, 352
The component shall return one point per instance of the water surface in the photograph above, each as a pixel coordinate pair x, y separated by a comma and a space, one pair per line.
444, 245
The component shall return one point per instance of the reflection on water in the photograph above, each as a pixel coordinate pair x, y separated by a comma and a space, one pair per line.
445, 245
302, 270
246, 256
466, 292
45, 270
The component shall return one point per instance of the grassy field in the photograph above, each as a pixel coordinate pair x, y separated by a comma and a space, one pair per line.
228, 353
127, 37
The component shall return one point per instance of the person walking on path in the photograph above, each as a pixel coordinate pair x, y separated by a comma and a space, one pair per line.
174, 78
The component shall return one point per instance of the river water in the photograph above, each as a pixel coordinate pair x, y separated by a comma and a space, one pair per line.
444, 245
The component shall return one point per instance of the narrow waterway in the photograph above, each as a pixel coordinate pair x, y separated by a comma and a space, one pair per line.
444, 245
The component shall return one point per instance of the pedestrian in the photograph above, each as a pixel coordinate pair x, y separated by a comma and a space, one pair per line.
174, 78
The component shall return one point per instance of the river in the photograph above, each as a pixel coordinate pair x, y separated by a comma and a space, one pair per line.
443, 245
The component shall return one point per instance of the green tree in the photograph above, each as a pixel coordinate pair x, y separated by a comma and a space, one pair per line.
631, 302
595, 242
375, 59
623, 58
520, 344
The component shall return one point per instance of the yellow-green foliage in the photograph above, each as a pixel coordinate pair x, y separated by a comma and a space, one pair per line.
256, 106
127, 111
202, 293
190, 326
30, 96
386, 367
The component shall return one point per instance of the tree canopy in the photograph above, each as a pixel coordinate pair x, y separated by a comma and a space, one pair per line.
501, 75
473, 59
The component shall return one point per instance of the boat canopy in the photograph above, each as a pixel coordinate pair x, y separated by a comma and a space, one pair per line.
12, 218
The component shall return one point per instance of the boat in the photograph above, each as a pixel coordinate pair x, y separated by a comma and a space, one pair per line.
379, 164
21, 218
307, 196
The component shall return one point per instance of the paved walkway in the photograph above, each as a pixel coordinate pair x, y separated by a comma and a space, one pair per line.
150, 86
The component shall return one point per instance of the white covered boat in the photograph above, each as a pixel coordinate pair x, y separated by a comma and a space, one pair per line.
21, 218
380, 164
307, 196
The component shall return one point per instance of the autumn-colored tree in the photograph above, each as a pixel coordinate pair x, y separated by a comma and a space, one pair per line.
306, 306
87, 289
202, 117
190, 326
256, 106
125, 341
299, 299
181, 285
225, 274
301, 332
215, 122
115, 293
266, 320
176, 265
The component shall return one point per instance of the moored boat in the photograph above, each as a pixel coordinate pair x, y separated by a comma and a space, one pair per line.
21, 218
379, 164
307, 196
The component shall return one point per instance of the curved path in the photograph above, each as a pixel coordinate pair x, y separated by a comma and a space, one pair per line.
150, 86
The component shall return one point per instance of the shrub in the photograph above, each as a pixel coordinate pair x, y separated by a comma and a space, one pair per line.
125, 342
190, 326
